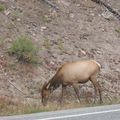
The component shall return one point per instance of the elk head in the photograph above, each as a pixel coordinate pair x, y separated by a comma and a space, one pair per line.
45, 92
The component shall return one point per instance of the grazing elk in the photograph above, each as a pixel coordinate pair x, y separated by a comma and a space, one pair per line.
72, 73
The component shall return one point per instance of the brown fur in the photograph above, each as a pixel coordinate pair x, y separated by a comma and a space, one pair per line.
73, 73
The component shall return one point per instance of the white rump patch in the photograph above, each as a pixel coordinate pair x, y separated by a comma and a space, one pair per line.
97, 63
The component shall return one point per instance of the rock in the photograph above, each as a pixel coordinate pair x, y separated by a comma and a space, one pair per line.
78, 5
7, 12
83, 52
92, 14
43, 28
71, 15
64, 2
18, 19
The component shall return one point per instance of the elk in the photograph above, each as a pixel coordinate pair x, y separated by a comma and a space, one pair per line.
73, 73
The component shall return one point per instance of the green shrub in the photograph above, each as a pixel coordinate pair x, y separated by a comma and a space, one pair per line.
2, 7
118, 31
24, 50
46, 19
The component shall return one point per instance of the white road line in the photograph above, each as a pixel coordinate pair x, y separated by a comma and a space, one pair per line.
79, 115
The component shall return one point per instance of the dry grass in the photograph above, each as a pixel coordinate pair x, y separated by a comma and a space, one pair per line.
10, 106
47, 43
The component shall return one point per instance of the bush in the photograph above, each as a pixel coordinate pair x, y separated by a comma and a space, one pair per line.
24, 50
2, 7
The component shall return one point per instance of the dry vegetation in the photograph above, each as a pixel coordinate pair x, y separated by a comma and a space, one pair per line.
80, 30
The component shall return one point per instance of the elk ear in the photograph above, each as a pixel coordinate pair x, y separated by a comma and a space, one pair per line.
48, 86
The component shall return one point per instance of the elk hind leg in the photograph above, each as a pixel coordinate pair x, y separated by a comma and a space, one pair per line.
97, 88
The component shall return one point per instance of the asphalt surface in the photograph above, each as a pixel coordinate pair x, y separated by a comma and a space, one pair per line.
108, 112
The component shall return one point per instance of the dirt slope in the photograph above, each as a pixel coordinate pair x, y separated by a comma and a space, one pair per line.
80, 30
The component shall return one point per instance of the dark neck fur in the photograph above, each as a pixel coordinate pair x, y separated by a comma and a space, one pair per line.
53, 84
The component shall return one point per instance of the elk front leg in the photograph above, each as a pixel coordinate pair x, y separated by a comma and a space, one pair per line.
61, 96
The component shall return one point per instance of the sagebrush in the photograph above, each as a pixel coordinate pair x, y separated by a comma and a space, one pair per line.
2, 7
24, 50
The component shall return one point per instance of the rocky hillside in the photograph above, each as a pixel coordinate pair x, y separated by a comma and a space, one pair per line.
80, 29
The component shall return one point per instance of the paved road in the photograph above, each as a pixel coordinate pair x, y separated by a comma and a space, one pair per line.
109, 112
